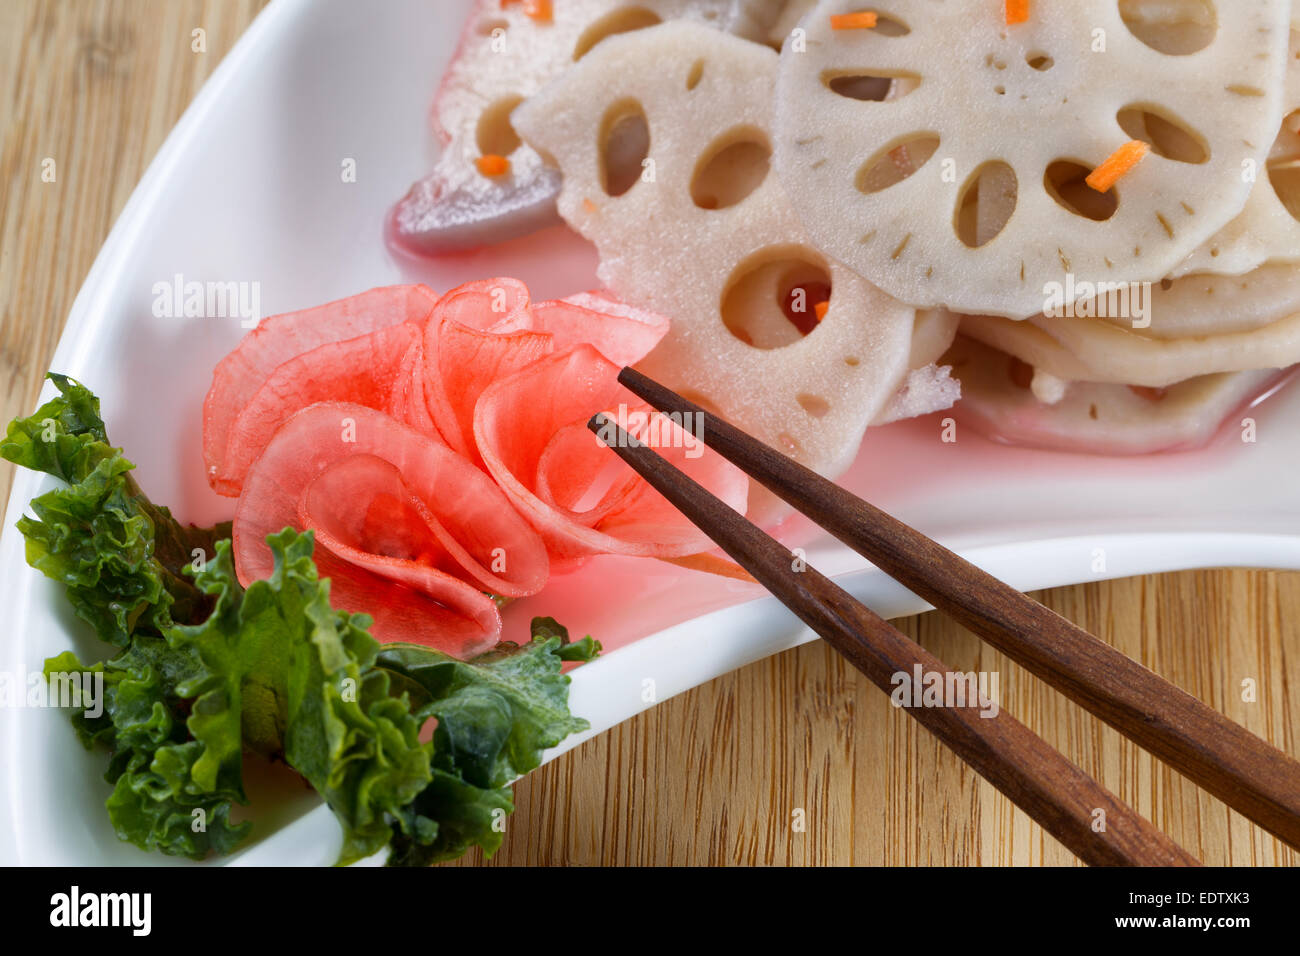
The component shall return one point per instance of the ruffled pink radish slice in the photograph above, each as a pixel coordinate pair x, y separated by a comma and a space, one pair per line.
517, 419
478, 331
466, 626
578, 476
486, 330
407, 403
365, 370
1098, 418
594, 489
648, 517
496, 305
411, 533
276, 340
621, 333
424, 516
384, 558
465, 514
460, 362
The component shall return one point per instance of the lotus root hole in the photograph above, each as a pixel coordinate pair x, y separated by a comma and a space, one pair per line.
870, 87
1284, 166
986, 204
772, 298
732, 167
496, 137
896, 162
624, 146
890, 26
622, 20
1167, 136
814, 405
1064, 182
697, 73
1040, 62
1173, 27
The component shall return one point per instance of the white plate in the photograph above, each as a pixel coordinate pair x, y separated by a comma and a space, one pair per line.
248, 188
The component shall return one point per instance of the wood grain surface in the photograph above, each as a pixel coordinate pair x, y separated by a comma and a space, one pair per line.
795, 760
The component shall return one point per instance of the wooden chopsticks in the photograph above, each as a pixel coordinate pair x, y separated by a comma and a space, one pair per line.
1235, 765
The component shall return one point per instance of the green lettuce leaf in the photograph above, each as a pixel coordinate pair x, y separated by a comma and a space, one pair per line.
276, 671
495, 716
286, 676
120, 556
156, 802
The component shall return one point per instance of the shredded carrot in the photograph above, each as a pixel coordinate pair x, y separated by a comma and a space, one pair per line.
492, 165
820, 310
539, 10
589, 207
1117, 165
1017, 11
862, 20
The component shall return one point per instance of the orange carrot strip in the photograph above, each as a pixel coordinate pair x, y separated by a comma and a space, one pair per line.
492, 165
1017, 11
539, 10
1117, 165
820, 310
862, 20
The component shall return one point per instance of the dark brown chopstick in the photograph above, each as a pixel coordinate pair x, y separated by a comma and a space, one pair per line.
1004, 751
1244, 771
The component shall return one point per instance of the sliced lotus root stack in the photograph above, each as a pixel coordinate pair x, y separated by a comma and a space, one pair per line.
1268, 229
1199, 324
508, 51
968, 190
790, 346
929, 386
1101, 419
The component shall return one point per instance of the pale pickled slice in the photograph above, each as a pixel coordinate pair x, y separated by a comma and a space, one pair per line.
1268, 229
1096, 418
704, 234
898, 188
1200, 324
506, 55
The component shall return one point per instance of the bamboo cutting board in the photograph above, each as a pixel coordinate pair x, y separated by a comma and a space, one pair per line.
791, 761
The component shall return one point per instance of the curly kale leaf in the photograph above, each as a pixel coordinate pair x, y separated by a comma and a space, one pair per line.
120, 556
496, 715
